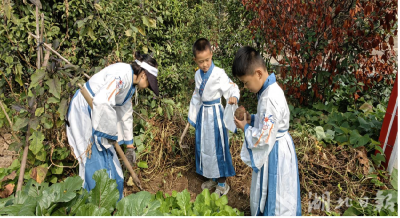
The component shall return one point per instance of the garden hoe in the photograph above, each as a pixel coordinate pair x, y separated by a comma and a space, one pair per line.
136, 180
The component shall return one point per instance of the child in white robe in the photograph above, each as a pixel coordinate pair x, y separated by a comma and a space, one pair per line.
268, 147
91, 132
213, 158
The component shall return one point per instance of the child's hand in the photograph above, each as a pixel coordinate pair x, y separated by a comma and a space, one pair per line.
241, 124
232, 100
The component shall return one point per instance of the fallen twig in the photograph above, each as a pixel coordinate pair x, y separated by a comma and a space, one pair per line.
9, 121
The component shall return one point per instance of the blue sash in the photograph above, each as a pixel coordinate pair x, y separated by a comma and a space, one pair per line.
204, 77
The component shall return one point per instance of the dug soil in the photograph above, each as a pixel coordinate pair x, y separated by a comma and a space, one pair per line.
190, 180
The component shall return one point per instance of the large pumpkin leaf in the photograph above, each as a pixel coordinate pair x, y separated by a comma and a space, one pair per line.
105, 194
139, 204
19, 209
72, 183
25, 209
78, 202
92, 210
61, 193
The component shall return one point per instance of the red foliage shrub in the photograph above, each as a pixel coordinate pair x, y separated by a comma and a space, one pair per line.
323, 41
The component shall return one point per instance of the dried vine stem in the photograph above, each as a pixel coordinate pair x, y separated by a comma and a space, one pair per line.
9, 121
51, 49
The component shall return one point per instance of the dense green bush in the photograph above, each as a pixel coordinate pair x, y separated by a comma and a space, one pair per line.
92, 35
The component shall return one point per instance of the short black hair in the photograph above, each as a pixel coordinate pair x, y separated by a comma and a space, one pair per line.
200, 45
246, 59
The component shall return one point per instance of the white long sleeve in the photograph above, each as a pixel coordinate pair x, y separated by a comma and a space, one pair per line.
125, 123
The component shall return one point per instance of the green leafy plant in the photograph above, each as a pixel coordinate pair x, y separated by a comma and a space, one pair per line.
384, 204
206, 204
69, 198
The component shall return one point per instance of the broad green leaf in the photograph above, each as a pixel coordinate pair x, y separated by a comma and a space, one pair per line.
36, 140
19, 80
221, 213
98, 7
319, 131
363, 123
54, 86
183, 200
393, 178
319, 106
63, 108
41, 155
160, 110
59, 193
128, 32
9, 60
20, 123
378, 158
366, 107
341, 138
52, 100
48, 123
105, 193
78, 202
354, 137
351, 212
363, 140
37, 77
92, 210
72, 183
62, 211
145, 49
169, 101
90, 33
6, 201
222, 201
141, 31
143, 164
139, 204
7, 9
345, 130
53, 179
34, 123
15, 165
27, 209
207, 196
39, 111
145, 20
57, 170
329, 134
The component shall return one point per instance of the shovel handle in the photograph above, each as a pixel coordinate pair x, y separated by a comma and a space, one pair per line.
118, 148
183, 134
128, 166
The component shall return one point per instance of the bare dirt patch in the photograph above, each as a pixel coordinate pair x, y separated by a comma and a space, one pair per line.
6, 156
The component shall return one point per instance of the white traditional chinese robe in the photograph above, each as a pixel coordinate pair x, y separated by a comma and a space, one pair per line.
269, 149
213, 158
111, 118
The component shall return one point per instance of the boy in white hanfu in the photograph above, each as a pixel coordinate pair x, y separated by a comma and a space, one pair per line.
268, 147
213, 158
